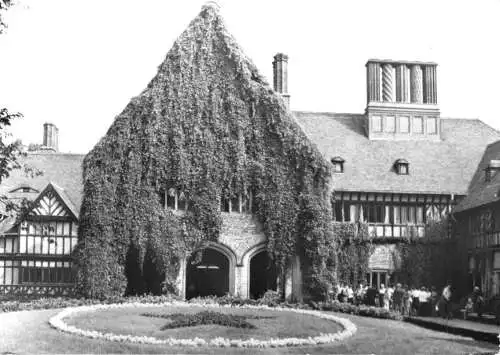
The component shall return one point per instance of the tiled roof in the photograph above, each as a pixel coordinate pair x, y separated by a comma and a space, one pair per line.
436, 167
482, 192
63, 170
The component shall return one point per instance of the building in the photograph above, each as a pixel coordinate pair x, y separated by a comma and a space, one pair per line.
396, 166
478, 217
400, 164
35, 253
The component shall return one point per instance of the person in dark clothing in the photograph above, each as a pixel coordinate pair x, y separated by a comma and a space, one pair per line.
444, 304
371, 295
477, 301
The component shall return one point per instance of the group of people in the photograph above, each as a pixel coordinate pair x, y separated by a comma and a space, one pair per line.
408, 301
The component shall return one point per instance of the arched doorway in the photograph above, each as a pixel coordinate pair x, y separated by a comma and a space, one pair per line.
207, 274
263, 275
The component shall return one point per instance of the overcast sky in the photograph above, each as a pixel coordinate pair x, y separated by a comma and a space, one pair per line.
78, 63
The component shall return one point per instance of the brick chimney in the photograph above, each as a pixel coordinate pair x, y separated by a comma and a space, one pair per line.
280, 77
50, 137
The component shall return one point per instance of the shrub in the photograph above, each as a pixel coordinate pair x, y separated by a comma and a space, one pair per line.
270, 298
361, 310
63, 302
180, 320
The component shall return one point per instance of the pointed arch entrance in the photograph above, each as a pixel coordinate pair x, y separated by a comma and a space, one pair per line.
210, 272
263, 274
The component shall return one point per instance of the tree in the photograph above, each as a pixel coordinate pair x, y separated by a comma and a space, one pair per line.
4, 5
10, 151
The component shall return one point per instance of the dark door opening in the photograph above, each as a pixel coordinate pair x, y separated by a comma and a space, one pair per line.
263, 275
208, 275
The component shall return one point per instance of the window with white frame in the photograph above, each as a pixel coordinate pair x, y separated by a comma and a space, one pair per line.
404, 124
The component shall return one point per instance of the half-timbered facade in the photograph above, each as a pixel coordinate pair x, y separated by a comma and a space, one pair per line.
478, 218
400, 165
36, 250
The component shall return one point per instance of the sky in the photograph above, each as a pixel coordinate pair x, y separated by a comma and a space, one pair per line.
78, 63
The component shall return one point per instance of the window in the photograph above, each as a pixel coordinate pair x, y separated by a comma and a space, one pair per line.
25, 189
418, 125
46, 272
430, 125
404, 124
377, 124
235, 204
338, 211
338, 164
375, 214
402, 167
176, 200
224, 205
390, 124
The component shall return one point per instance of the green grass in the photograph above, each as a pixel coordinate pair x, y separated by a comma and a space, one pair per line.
29, 332
273, 324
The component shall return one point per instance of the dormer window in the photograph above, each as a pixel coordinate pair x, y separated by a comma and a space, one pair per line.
24, 189
491, 170
338, 164
402, 167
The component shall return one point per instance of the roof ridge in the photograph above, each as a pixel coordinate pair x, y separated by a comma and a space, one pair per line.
492, 144
330, 112
55, 153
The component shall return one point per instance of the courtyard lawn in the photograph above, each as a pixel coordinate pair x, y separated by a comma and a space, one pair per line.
29, 332
272, 324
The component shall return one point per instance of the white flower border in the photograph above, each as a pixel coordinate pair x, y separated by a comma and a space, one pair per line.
349, 328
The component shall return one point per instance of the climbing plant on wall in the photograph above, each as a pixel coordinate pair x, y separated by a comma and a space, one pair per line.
431, 260
353, 252
210, 126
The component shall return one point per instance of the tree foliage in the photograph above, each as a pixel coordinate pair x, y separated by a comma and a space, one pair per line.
428, 261
210, 126
4, 5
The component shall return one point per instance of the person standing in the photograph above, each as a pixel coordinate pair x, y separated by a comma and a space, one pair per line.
398, 298
350, 294
381, 295
390, 293
424, 300
445, 302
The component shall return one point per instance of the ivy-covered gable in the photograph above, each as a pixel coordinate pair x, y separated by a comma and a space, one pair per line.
210, 126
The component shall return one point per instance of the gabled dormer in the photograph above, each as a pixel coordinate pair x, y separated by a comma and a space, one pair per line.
491, 170
53, 203
402, 100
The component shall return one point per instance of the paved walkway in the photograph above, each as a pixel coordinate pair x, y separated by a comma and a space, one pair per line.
476, 330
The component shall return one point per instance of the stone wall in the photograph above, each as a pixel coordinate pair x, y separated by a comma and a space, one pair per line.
241, 232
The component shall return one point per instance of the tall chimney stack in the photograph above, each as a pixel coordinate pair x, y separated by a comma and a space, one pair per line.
280, 76
50, 137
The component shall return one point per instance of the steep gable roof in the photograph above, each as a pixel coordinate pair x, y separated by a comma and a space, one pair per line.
482, 192
442, 167
62, 170
53, 201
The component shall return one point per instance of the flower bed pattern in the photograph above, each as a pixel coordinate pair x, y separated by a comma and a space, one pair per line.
181, 320
349, 329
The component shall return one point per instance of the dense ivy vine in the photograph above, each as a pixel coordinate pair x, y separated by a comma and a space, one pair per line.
429, 261
208, 125
353, 252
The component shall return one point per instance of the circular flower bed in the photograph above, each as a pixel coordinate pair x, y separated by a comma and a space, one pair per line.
349, 328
